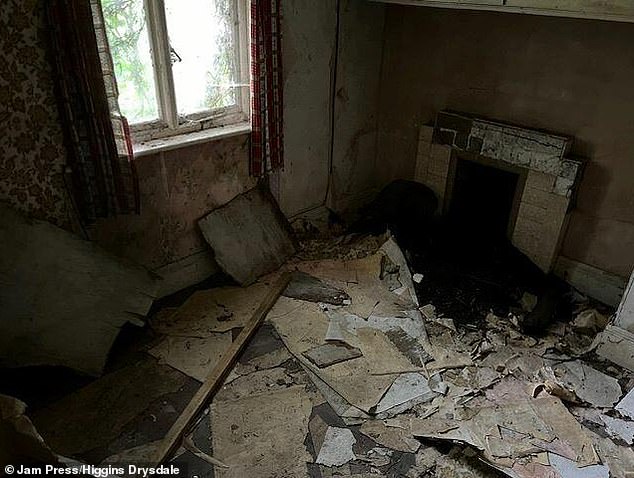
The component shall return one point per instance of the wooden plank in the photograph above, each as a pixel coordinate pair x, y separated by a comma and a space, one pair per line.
215, 379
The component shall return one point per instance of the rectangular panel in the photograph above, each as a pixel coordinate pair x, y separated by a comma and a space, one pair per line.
204, 63
127, 32
606, 7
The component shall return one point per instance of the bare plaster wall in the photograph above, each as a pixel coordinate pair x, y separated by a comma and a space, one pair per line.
313, 175
570, 76
354, 179
308, 47
177, 188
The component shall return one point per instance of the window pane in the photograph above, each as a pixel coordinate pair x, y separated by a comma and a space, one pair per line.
129, 44
202, 41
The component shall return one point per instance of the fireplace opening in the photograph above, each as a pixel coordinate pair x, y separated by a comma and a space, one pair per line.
482, 199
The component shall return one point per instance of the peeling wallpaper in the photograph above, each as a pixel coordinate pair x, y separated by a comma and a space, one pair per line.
32, 154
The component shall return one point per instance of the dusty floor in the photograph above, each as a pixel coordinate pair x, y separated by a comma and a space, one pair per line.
414, 393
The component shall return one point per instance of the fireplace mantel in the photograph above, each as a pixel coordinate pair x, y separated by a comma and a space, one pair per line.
551, 176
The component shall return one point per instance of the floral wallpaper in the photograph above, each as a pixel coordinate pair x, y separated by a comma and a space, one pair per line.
32, 154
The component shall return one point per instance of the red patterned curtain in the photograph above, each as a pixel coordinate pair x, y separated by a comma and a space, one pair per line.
103, 178
267, 137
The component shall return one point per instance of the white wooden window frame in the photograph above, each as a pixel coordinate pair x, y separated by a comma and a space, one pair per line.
170, 123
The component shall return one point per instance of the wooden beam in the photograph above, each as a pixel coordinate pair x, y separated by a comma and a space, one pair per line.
216, 378
161, 56
559, 8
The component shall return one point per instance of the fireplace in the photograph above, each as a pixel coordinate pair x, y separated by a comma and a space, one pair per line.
513, 180
482, 198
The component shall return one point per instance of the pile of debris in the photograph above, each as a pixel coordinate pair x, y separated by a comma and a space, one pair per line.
330, 366
403, 372
370, 382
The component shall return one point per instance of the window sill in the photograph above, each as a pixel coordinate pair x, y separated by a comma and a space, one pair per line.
189, 139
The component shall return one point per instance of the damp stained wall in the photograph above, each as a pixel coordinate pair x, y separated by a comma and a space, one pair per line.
180, 186
358, 75
571, 76
308, 50
325, 164
177, 188
566, 75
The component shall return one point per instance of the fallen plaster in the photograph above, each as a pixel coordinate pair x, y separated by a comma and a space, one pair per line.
64, 299
329, 354
408, 389
392, 433
230, 231
590, 385
626, 406
337, 447
622, 429
306, 287
568, 469
211, 311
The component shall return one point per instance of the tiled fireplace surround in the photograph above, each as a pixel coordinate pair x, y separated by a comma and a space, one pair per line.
547, 178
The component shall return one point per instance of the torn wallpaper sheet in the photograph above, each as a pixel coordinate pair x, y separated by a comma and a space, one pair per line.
344, 272
339, 404
392, 433
301, 326
362, 382
211, 311
195, 357
361, 280
335, 333
329, 354
246, 433
410, 322
306, 287
380, 352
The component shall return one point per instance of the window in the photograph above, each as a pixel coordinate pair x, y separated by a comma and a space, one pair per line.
180, 65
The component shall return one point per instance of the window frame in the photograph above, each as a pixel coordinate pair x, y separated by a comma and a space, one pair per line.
170, 123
